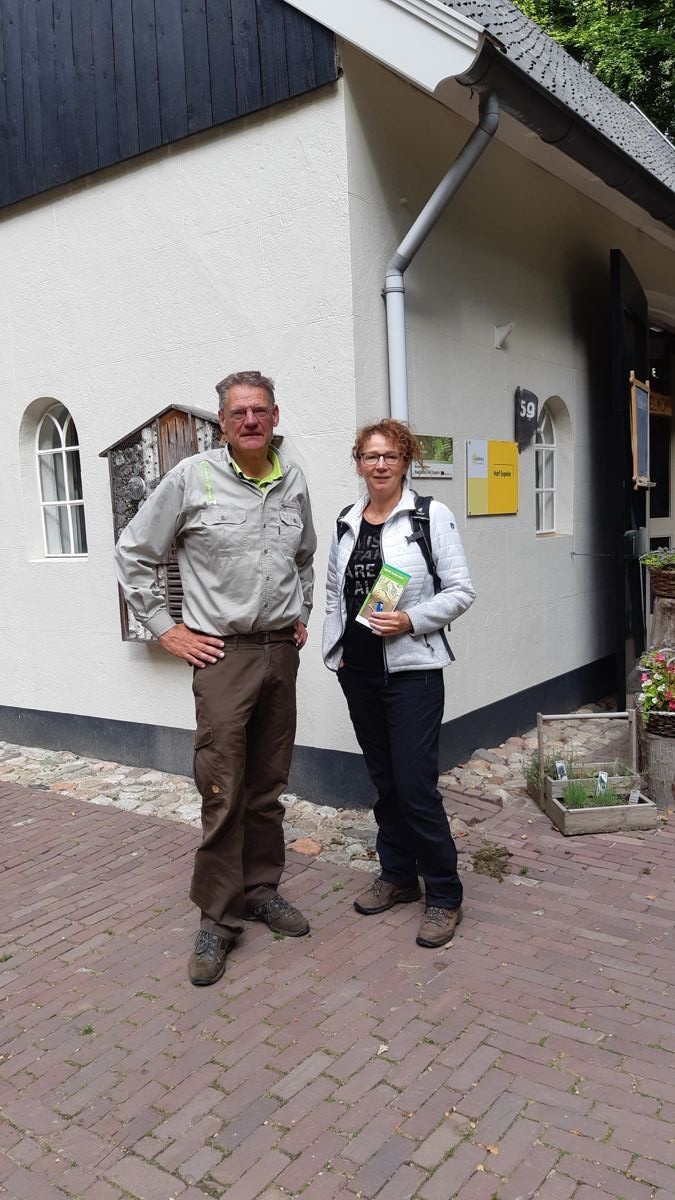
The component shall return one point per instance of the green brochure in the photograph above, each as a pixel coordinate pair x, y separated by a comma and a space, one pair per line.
384, 594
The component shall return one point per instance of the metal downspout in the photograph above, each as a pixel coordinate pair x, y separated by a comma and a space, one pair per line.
394, 287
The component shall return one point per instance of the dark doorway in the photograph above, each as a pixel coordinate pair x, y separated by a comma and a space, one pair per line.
630, 352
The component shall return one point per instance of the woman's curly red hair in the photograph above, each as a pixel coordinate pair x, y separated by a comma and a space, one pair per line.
406, 442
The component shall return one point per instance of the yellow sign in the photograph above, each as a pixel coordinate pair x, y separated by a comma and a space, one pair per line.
491, 477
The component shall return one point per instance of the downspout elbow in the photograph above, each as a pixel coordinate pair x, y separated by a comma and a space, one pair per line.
394, 284
393, 276
488, 112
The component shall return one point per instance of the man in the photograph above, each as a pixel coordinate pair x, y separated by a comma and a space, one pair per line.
241, 520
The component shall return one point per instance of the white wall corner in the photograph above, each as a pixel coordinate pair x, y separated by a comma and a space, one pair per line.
423, 40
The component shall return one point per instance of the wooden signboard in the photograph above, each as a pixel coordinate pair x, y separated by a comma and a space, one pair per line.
639, 431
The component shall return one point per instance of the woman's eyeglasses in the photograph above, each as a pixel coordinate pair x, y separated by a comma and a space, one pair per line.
371, 459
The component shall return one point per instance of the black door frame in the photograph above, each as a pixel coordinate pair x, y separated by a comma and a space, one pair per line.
629, 352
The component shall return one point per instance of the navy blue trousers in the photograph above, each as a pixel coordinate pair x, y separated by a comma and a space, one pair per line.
397, 722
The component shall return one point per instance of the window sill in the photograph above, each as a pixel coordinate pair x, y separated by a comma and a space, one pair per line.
56, 558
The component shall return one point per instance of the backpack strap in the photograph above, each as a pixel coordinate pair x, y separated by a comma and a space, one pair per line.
421, 533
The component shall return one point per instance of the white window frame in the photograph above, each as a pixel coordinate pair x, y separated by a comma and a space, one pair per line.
66, 501
541, 489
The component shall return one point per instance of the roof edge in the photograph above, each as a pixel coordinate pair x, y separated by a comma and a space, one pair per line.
202, 414
422, 40
559, 126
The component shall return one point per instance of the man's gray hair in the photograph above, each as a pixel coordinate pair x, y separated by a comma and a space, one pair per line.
249, 379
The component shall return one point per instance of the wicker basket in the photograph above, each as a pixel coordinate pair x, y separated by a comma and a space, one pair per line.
661, 723
662, 582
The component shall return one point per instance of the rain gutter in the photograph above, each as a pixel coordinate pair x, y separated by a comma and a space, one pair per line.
558, 126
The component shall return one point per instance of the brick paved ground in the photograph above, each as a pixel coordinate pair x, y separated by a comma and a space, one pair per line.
532, 1058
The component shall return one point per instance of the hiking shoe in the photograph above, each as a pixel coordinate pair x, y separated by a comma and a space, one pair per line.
382, 895
280, 916
207, 961
438, 926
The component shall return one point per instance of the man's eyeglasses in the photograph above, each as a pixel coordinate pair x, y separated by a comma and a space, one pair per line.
260, 413
371, 459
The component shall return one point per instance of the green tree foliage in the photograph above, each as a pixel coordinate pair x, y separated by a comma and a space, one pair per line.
628, 44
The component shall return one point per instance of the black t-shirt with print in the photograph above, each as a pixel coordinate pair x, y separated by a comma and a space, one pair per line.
361, 648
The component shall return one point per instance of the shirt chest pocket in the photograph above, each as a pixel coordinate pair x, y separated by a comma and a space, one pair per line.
225, 529
290, 530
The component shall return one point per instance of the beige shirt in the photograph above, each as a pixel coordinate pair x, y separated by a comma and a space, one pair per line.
245, 554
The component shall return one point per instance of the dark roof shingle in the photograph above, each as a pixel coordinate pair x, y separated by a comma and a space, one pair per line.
547, 64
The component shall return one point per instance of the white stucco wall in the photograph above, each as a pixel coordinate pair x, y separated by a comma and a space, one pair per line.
516, 244
263, 244
145, 285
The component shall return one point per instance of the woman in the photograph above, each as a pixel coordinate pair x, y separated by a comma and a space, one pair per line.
392, 674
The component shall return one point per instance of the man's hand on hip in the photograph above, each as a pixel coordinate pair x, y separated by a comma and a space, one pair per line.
300, 633
199, 649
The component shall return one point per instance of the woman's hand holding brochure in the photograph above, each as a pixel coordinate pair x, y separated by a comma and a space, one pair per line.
378, 608
390, 624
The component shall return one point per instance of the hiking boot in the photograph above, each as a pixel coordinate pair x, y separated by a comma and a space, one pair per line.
438, 926
280, 916
382, 895
207, 961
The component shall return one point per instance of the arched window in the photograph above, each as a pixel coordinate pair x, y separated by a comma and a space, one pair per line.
61, 500
545, 472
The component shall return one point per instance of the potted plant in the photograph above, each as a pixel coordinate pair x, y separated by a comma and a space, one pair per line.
657, 695
661, 566
656, 704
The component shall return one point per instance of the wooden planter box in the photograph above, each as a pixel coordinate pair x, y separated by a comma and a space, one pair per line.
573, 821
554, 789
605, 818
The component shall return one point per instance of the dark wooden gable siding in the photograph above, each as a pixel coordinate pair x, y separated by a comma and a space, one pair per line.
85, 84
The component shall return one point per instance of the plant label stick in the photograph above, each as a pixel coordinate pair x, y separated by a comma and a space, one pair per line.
601, 787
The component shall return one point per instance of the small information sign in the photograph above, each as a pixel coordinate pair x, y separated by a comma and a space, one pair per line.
491, 477
527, 411
437, 458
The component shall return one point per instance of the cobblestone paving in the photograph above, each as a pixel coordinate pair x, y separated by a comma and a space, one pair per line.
472, 791
532, 1058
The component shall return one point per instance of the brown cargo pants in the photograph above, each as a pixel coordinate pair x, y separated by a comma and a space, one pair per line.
246, 716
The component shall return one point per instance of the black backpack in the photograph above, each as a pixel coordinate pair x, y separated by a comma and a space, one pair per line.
421, 533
